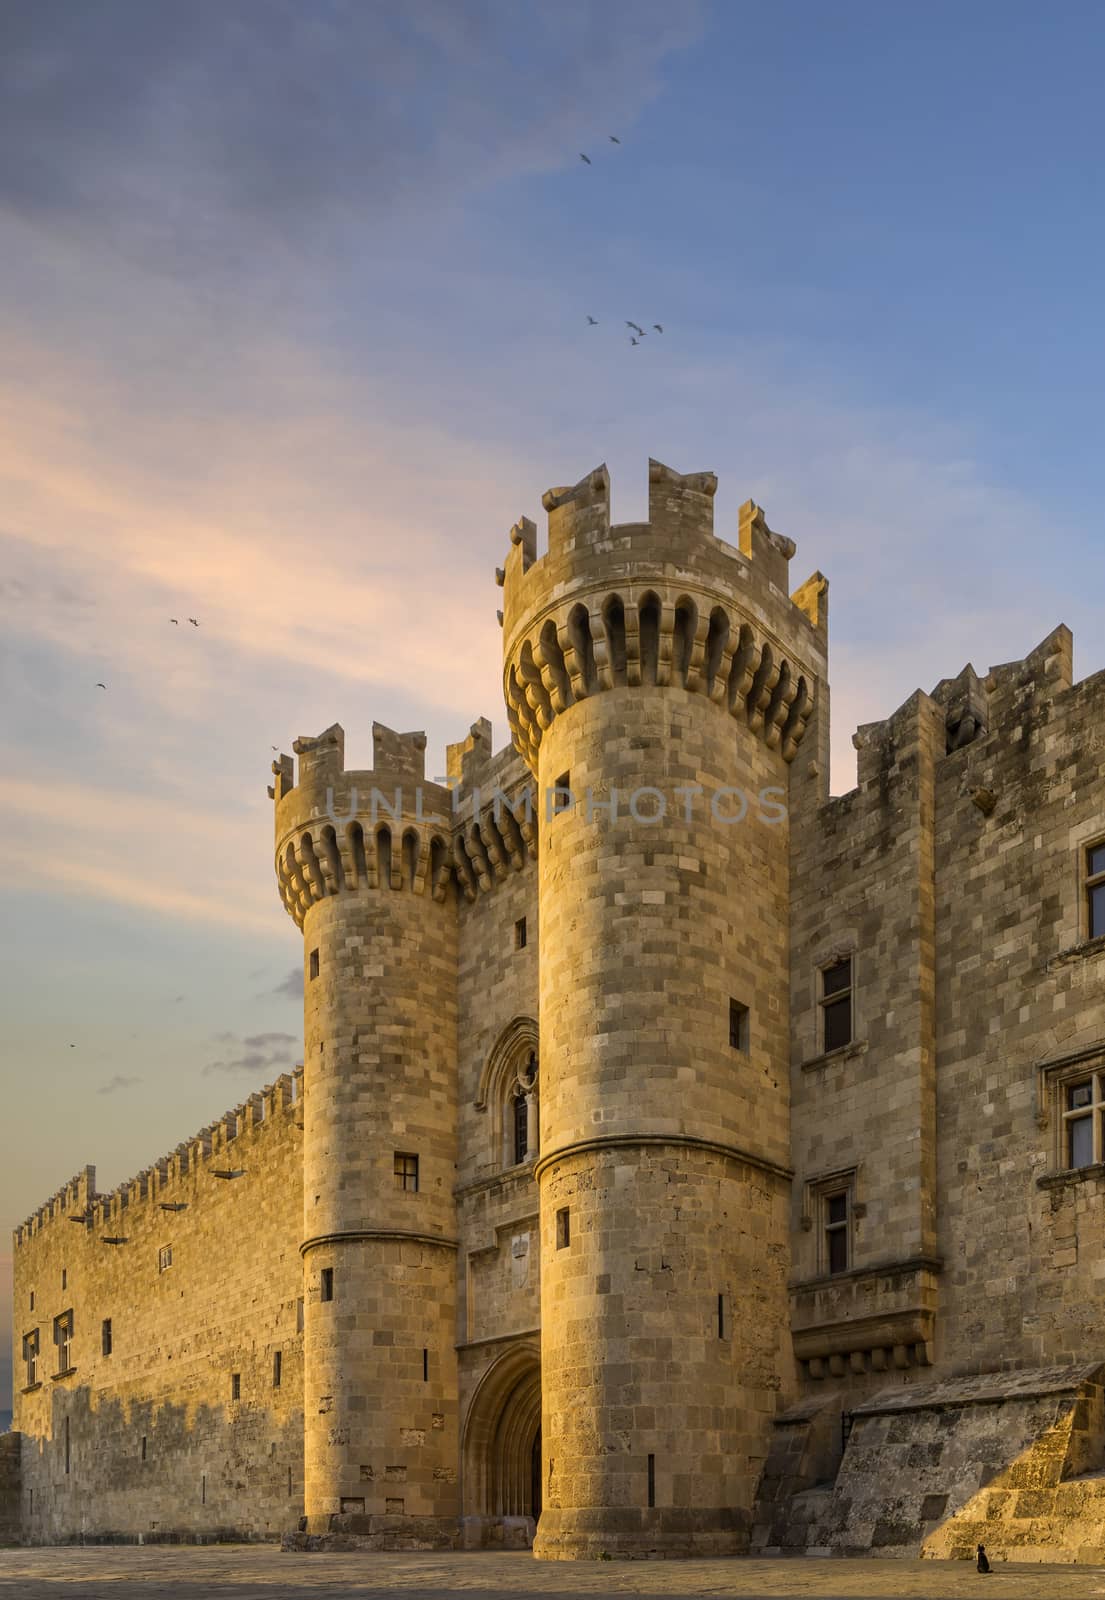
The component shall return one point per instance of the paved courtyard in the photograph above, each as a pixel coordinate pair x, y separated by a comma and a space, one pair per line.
260, 1572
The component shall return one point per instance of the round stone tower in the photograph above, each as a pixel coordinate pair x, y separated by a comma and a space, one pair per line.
658, 683
362, 863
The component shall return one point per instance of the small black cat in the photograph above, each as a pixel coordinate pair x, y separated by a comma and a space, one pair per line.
982, 1561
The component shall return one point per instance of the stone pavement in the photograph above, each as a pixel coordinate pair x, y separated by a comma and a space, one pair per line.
260, 1572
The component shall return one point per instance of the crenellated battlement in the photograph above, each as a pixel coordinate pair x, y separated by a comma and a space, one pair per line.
663, 602
162, 1182
977, 709
339, 831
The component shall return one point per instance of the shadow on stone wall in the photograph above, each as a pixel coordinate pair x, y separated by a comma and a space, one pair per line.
1010, 1460
164, 1471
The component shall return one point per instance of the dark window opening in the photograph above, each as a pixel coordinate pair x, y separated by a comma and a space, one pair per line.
520, 934
563, 1228
721, 1316
652, 1480
836, 1005
326, 1285
406, 1171
203, 1490
64, 1278
235, 1385
314, 964
425, 1366
836, 1231
105, 1336
143, 1447
1095, 891
562, 793
521, 1127
277, 1368
738, 1026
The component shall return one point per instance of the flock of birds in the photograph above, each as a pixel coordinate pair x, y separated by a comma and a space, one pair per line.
636, 332
175, 620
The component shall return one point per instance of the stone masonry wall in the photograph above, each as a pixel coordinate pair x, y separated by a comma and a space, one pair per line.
11, 1487
152, 1439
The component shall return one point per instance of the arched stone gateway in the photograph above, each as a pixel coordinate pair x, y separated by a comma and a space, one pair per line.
502, 1452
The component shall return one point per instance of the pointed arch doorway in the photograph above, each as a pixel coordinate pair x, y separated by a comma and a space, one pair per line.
502, 1451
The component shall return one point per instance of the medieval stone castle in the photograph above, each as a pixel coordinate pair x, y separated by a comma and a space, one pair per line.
683, 1161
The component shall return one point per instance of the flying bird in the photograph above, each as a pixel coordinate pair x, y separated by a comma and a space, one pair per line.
632, 340
582, 157
101, 686
274, 747
658, 328
193, 621
72, 1047
614, 139
176, 620
593, 321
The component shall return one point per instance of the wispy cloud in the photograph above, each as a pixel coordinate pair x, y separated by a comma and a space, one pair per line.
290, 987
119, 1081
259, 1054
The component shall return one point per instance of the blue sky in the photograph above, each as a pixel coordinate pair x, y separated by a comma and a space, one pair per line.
294, 328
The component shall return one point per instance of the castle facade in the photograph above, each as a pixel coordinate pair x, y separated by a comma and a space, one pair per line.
683, 1161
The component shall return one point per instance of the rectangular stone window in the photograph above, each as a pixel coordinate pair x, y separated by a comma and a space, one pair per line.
143, 1447
721, 1317
1083, 1116
835, 1213
561, 797
277, 1368
652, 1481
406, 1171
235, 1385
64, 1278
30, 1357
165, 1258
563, 1228
63, 1341
32, 1299
326, 1284
1095, 891
314, 964
520, 934
352, 1505
105, 1337
836, 1005
738, 1026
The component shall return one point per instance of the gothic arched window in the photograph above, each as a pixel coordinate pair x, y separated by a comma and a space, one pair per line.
508, 1093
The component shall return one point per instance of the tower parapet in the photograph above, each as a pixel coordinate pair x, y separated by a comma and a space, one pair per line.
661, 602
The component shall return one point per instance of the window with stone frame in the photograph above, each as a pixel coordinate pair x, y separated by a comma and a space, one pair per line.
30, 1357
835, 1001
835, 1222
1082, 1141
63, 1341
406, 1171
1095, 890
830, 1210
